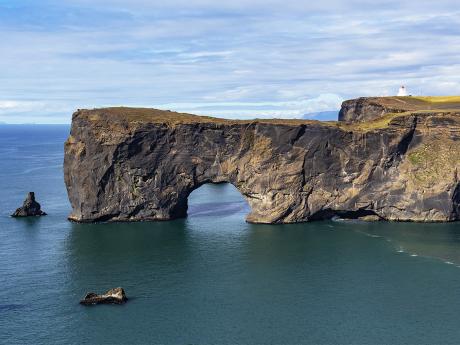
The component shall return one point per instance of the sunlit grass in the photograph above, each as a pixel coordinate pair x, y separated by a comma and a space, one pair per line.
410, 104
438, 99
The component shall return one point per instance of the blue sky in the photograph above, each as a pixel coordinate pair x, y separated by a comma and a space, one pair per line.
234, 59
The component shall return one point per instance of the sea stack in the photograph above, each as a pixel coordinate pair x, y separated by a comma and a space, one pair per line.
30, 208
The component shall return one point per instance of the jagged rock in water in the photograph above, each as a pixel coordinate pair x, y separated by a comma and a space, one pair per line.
29, 208
113, 296
127, 164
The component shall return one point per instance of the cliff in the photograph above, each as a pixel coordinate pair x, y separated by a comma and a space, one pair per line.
370, 108
126, 164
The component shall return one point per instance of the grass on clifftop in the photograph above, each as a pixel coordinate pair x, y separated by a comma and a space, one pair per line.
385, 120
405, 106
172, 117
439, 99
381, 122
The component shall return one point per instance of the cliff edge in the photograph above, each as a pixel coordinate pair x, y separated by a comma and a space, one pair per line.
128, 164
370, 108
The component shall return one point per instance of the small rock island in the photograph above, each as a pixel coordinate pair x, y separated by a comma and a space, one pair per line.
113, 296
387, 158
30, 208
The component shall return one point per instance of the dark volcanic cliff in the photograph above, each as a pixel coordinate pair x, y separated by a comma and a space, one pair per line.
125, 164
370, 108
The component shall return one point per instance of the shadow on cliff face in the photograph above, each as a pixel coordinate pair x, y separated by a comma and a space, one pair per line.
331, 214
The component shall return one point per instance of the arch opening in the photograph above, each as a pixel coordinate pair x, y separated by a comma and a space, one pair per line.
216, 199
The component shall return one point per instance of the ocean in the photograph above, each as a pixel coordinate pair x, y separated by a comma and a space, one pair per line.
212, 278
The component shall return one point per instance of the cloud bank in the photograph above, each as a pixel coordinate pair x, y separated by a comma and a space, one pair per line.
239, 59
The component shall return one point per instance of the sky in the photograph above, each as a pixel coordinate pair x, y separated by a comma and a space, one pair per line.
232, 59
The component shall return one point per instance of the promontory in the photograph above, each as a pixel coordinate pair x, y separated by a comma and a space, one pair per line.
392, 158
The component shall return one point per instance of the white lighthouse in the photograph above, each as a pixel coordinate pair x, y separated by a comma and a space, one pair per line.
402, 91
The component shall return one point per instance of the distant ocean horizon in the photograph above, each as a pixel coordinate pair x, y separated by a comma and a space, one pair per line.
212, 278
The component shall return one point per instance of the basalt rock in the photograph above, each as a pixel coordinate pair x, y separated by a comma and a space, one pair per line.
29, 208
126, 164
113, 296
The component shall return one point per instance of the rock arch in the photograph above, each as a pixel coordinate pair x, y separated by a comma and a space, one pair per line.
182, 201
126, 164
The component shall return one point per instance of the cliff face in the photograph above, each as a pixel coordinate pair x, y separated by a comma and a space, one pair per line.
139, 164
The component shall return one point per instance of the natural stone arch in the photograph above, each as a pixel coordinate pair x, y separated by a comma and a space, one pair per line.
145, 171
124, 164
182, 204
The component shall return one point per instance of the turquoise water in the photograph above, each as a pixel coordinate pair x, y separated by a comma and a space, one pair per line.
212, 278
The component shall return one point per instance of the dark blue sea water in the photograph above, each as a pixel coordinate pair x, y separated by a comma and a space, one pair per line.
212, 278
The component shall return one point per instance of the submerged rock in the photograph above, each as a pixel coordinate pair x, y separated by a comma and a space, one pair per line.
30, 208
370, 218
113, 296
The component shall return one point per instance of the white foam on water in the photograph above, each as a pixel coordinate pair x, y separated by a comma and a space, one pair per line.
368, 235
337, 219
431, 258
401, 250
374, 236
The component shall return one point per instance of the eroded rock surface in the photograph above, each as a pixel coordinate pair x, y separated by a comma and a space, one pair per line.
113, 296
125, 164
30, 207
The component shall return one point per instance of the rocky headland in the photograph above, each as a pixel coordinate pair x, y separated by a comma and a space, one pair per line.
389, 158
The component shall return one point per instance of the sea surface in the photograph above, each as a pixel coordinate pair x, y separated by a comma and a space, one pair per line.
212, 278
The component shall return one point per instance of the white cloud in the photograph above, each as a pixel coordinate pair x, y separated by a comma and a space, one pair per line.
246, 110
5, 105
8, 106
14, 111
240, 58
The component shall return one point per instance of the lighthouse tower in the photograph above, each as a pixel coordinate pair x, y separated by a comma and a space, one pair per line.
402, 91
